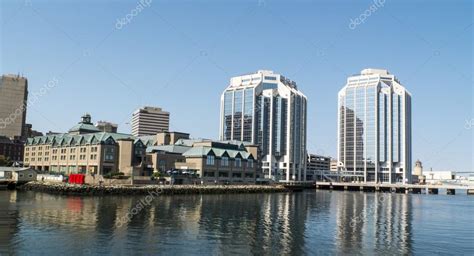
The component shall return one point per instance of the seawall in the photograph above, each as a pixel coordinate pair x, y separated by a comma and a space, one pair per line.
90, 190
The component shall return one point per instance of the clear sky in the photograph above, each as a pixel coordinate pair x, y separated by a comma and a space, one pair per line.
180, 55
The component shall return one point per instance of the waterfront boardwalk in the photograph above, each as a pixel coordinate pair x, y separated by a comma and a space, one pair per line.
396, 188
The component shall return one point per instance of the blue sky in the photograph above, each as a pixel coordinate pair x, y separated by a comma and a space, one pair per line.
180, 55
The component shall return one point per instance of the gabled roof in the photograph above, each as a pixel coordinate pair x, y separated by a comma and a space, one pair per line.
77, 139
204, 151
198, 151
148, 140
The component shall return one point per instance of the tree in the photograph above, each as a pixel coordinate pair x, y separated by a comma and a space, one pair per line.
3, 161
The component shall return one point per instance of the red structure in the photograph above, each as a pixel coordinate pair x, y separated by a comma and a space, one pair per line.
77, 178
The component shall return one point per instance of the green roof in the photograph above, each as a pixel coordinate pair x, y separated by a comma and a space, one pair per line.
169, 148
67, 139
148, 140
82, 127
219, 152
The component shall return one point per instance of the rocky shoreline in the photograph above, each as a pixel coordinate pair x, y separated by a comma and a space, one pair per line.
91, 190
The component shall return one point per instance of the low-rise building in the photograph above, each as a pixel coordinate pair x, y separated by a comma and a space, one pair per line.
85, 149
220, 163
435, 176
211, 161
18, 174
318, 162
333, 165
164, 158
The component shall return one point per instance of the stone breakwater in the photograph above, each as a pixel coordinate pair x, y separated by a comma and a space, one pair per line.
72, 189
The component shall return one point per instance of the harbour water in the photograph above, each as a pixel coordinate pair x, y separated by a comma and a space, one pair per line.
305, 223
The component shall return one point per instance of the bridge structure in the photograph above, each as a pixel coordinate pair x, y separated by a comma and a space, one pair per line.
396, 188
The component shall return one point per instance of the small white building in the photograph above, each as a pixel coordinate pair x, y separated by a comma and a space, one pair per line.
440, 175
20, 174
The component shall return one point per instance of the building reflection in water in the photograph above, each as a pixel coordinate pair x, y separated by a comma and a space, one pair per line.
284, 223
374, 221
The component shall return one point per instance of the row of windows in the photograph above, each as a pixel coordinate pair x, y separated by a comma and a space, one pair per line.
226, 174
39, 148
225, 161
73, 157
63, 150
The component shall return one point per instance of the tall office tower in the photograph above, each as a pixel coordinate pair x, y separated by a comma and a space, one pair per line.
13, 104
374, 135
267, 110
150, 121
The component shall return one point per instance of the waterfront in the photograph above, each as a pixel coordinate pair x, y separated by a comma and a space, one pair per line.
310, 222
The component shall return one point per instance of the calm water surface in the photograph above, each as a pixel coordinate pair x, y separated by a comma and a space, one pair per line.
306, 223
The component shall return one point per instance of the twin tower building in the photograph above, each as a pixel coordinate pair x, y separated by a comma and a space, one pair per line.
374, 125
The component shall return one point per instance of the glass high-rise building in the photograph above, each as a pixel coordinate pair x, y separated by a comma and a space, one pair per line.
374, 128
266, 109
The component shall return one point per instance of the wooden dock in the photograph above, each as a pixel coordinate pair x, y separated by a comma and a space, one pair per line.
395, 188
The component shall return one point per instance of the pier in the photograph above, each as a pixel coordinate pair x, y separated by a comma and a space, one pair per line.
395, 188
296, 186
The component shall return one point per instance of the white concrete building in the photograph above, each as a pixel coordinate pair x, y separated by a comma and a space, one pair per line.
374, 128
267, 110
150, 121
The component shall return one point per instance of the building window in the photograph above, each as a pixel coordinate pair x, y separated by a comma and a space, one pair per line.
210, 160
225, 161
209, 174
250, 163
109, 154
238, 162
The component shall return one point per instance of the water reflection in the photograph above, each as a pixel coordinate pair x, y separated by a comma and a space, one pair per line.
263, 224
